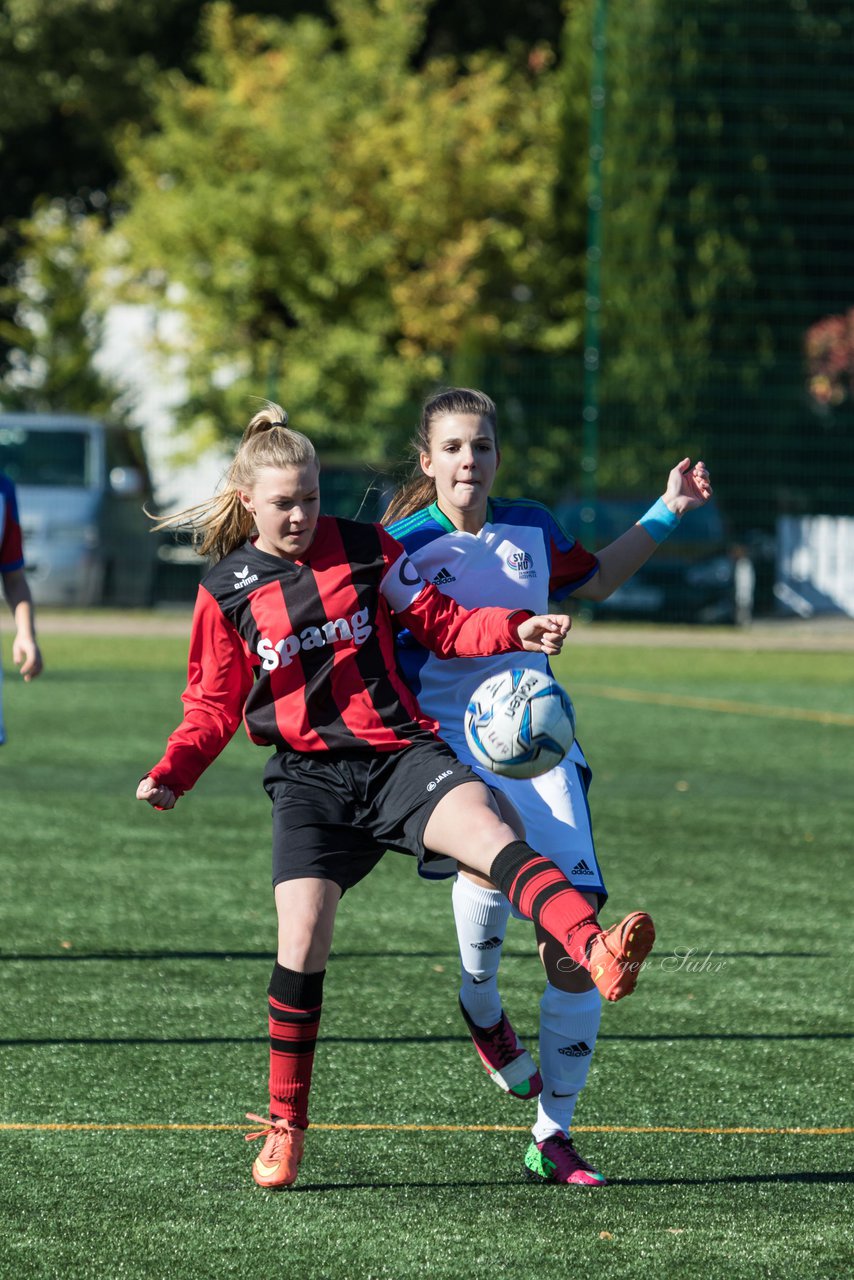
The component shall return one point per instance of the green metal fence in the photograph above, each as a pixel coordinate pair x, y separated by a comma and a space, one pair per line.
722, 252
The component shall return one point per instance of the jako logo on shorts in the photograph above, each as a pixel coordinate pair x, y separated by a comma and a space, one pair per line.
282, 653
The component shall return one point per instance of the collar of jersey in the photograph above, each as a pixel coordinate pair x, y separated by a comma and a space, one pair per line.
441, 519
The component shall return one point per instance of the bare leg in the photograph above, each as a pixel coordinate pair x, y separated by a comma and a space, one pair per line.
467, 825
306, 915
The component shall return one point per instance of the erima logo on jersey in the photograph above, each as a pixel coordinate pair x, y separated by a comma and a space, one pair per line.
581, 869
522, 564
443, 577
281, 654
431, 786
244, 577
577, 1050
489, 945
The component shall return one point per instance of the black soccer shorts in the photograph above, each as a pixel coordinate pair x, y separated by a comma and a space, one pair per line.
335, 813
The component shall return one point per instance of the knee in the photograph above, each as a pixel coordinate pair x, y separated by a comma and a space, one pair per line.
301, 950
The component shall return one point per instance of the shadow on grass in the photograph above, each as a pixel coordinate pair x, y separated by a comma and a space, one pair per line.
67, 957
667, 1038
807, 1177
738, 1179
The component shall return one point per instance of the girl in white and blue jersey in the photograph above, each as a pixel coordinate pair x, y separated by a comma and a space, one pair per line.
486, 551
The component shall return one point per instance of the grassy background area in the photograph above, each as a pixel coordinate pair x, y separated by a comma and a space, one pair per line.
135, 950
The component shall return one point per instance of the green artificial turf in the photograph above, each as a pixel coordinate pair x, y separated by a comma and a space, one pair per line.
135, 949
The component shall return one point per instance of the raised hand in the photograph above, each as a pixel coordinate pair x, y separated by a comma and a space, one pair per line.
688, 487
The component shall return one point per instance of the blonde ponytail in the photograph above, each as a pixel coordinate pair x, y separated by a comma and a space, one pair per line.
222, 524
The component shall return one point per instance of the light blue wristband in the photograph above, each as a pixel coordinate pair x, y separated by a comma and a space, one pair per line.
659, 521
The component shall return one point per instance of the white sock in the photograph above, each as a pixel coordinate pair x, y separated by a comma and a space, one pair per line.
569, 1024
481, 917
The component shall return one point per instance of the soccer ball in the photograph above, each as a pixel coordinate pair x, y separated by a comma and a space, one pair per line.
520, 723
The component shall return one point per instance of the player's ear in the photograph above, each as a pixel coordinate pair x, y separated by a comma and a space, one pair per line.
246, 500
425, 464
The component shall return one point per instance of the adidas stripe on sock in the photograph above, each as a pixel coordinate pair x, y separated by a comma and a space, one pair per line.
569, 1025
481, 917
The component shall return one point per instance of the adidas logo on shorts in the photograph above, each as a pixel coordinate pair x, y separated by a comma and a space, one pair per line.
581, 869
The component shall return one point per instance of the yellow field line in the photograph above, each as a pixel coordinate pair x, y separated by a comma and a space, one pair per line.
724, 705
416, 1128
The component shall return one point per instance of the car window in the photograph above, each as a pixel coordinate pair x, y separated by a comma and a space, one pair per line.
59, 458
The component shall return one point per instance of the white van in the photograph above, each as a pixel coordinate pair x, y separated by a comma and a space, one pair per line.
81, 489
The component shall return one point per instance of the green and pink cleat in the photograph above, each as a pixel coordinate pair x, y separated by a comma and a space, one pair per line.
555, 1159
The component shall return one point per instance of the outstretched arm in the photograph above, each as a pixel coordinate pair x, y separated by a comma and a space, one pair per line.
219, 679
687, 487
440, 624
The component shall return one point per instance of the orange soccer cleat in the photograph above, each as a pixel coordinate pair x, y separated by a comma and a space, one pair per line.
617, 955
278, 1164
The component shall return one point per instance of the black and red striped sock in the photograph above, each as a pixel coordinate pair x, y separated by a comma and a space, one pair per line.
295, 1002
541, 891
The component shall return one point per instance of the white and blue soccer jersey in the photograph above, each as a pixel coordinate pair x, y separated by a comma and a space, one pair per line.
520, 559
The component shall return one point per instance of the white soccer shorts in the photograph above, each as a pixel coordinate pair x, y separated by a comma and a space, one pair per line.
556, 815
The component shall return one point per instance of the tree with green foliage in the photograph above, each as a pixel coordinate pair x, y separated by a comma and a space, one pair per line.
71, 72
333, 225
56, 328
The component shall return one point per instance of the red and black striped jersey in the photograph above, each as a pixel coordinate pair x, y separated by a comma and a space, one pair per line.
305, 652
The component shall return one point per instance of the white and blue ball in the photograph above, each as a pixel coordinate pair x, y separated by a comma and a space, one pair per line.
520, 723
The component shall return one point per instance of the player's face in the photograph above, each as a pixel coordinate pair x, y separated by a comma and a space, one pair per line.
285, 504
463, 459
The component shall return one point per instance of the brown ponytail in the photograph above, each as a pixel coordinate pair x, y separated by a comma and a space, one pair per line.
416, 493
